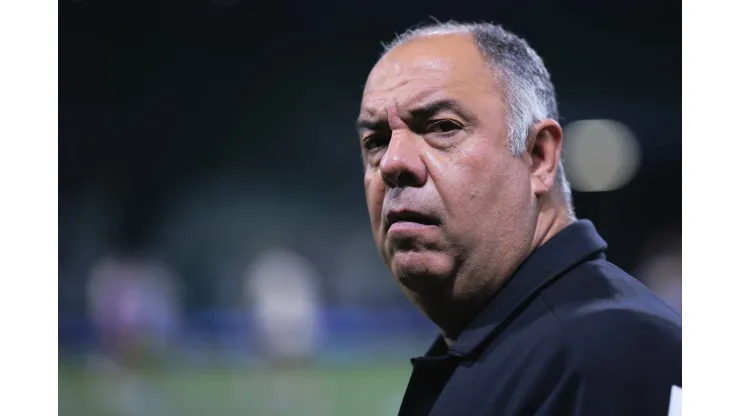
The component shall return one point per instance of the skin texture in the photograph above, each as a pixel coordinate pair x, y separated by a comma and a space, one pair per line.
447, 166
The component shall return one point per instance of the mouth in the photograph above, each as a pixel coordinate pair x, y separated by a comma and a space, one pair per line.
409, 218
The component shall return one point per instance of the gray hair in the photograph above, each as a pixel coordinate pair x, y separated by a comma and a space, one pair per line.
528, 91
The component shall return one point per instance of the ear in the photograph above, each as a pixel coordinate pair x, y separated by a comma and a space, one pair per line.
544, 146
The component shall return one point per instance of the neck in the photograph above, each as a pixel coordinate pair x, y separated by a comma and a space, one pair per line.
551, 219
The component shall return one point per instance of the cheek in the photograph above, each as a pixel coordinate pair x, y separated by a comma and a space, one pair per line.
501, 195
503, 183
374, 194
480, 183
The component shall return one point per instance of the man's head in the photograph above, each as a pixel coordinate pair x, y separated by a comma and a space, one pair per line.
462, 163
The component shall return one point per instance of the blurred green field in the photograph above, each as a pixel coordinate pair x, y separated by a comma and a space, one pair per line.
357, 389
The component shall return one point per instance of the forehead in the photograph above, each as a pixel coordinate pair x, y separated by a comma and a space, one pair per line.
442, 65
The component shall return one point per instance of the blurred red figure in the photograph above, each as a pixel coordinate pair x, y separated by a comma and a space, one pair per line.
133, 304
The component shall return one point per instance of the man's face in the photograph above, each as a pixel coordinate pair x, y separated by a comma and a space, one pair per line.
449, 206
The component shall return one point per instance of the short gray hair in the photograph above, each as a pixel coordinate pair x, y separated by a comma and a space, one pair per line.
528, 90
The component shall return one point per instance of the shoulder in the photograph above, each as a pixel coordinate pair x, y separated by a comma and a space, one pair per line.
599, 298
610, 323
608, 361
616, 337
621, 337
625, 361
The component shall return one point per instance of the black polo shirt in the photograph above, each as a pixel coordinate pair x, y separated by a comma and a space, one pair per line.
568, 334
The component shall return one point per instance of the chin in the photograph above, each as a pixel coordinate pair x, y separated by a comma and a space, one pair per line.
417, 270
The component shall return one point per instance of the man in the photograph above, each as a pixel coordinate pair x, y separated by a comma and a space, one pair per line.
471, 211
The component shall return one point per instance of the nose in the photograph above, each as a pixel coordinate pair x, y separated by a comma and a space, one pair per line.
402, 165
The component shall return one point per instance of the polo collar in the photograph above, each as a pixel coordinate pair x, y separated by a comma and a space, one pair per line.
571, 246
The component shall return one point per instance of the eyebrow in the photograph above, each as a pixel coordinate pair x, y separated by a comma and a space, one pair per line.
435, 107
364, 124
423, 111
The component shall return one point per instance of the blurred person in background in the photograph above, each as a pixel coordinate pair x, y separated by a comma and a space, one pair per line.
471, 211
281, 289
133, 302
661, 268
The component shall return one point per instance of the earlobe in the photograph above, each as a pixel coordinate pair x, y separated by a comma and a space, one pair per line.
544, 148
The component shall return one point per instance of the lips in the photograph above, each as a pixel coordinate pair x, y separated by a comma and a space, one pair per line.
409, 216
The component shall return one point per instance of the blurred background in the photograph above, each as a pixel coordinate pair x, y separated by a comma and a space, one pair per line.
215, 255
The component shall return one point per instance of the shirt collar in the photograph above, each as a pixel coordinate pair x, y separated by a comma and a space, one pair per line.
574, 244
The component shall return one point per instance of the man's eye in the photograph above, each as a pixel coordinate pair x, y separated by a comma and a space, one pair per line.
374, 141
443, 126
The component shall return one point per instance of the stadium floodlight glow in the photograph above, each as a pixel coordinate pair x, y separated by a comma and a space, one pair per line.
599, 155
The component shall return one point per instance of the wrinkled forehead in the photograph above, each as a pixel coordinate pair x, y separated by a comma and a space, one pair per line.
427, 68
394, 71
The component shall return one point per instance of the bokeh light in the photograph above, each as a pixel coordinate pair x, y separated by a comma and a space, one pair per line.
600, 155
